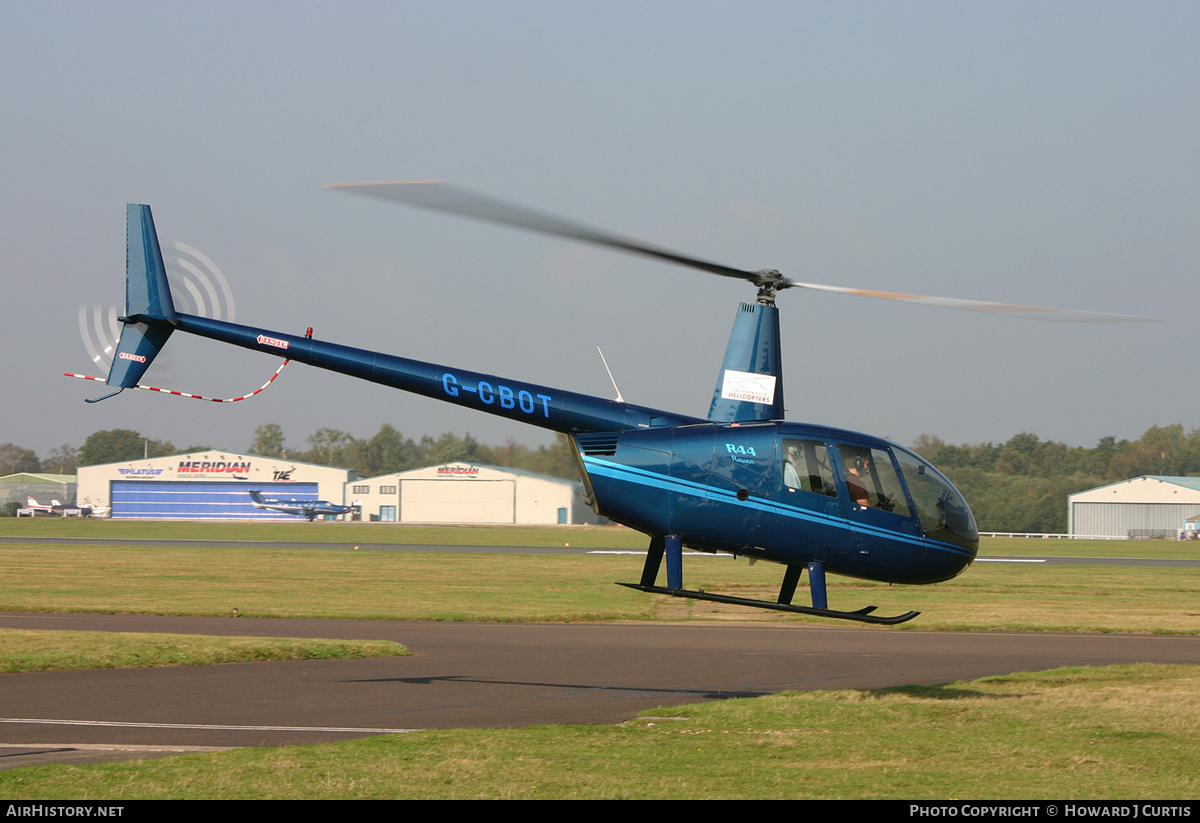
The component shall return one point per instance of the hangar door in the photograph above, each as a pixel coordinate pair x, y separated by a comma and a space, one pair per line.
458, 501
202, 501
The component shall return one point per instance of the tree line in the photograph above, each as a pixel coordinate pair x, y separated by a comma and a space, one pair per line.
1020, 485
386, 452
390, 451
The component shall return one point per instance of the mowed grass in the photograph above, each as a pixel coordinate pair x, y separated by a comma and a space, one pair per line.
300, 531
265, 581
1125, 732
589, 537
1035, 547
271, 582
24, 650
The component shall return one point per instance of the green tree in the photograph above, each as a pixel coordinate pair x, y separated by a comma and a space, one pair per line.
15, 460
268, 441
190, 449
1096, 461
387, 452
121, 445
1017, 456
1022, 486
63, 460
333, 447
452, 449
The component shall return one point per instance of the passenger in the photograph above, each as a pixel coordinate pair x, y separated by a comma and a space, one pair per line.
791, 477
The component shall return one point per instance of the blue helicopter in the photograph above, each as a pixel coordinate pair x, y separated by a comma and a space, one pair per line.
741, 481
308, 509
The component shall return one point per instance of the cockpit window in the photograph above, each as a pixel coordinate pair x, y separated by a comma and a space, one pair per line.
943, 512
806, 467
871, 479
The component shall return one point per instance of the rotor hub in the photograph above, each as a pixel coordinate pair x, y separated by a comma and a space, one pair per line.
769, 281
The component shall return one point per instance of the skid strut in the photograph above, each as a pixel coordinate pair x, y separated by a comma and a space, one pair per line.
672, 547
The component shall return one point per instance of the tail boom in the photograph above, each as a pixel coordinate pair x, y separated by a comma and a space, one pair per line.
541, 406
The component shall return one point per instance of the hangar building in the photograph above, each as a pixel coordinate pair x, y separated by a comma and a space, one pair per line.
1148, 506
17, 488
212, 485
469, 493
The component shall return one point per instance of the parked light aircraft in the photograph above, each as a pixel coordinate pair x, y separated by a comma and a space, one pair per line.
308, 509
38, 508
56, 507
741, 480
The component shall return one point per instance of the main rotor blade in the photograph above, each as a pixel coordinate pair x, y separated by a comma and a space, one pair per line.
1010, 309
438, 196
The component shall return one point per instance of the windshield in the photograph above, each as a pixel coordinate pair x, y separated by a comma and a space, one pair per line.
943, 512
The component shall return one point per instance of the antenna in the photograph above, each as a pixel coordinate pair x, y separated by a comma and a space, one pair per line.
619, 398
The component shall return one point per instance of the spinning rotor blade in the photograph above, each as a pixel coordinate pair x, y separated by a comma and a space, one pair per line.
1010, 309
438, 196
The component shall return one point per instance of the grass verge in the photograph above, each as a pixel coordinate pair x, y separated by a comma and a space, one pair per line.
43, 651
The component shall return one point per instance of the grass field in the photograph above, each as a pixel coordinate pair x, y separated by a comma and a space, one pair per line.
267, 581
1125, 732
322, 532
591, 537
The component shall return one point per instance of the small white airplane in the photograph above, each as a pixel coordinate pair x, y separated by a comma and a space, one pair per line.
56, 507
38, 508
309, 509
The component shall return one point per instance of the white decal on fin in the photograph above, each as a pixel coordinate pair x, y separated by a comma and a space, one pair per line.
748, 386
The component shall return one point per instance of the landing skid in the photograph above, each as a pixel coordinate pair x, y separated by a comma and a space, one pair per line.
670, 547
862, 615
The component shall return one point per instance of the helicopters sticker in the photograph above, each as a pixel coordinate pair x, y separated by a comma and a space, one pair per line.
754, 388
742, 480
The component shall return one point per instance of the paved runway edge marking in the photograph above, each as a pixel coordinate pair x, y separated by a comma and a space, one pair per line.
205, 726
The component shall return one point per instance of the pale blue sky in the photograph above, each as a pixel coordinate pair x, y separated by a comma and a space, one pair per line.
1033, 152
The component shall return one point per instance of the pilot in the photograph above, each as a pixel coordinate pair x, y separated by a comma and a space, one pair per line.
857, 467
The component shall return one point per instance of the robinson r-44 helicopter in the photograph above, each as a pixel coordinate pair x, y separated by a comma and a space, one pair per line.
741, 481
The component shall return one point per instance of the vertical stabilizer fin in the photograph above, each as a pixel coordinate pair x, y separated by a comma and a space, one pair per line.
149, 311
750, 385
146, 291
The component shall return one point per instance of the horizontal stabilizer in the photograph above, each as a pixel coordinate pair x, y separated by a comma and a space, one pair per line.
136, 350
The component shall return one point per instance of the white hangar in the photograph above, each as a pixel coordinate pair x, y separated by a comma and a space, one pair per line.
1148, 506
212, 485
469, 493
